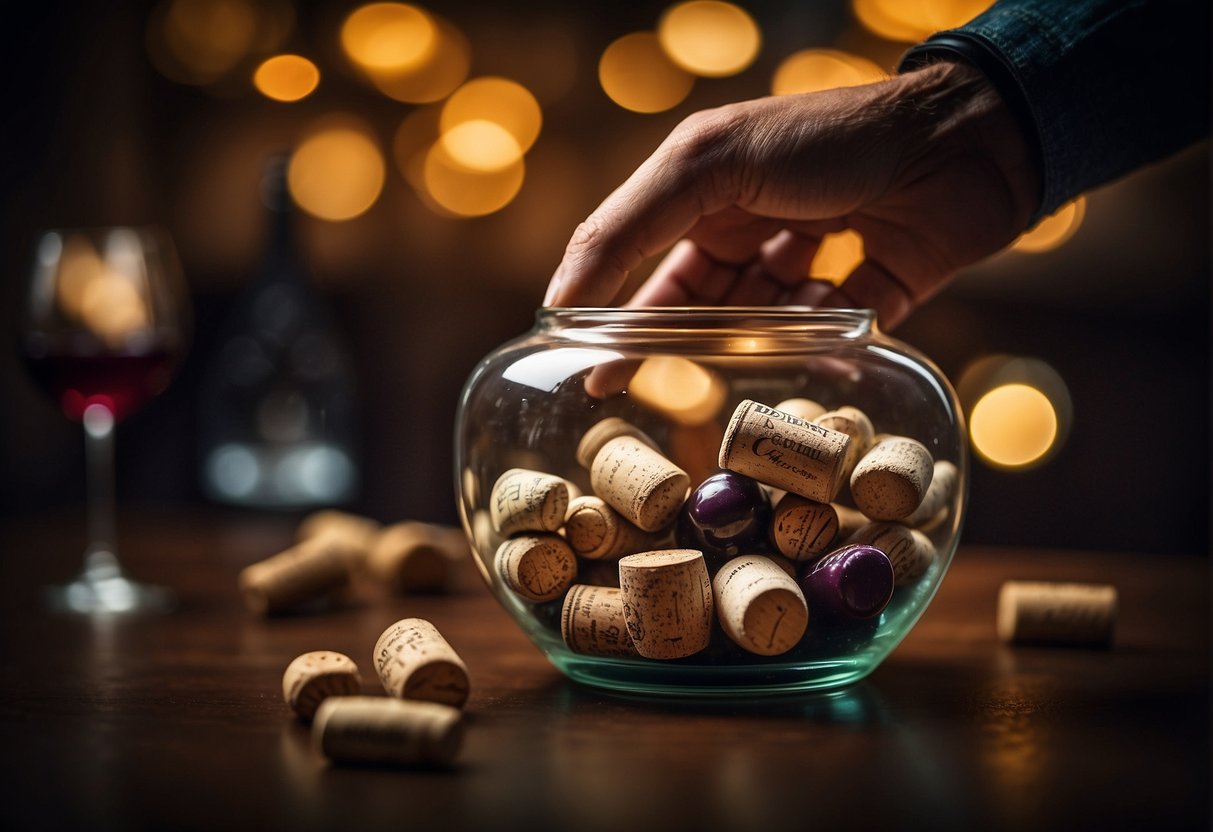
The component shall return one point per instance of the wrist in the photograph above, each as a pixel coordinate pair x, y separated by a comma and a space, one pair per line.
960, 101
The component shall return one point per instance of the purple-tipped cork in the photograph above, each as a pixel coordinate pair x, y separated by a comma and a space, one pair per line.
724, 514
854, 582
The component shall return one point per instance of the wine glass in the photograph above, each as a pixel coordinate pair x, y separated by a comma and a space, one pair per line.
105, 323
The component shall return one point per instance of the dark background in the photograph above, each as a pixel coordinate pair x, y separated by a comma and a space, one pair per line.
93, 134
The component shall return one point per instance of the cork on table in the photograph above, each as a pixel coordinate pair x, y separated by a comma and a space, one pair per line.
180, 722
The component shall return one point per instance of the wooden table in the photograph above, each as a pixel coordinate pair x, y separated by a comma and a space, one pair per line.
176, 722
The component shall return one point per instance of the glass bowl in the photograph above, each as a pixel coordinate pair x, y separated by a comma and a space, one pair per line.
588, 457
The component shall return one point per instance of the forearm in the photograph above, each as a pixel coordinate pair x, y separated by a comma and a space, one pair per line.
1100, 87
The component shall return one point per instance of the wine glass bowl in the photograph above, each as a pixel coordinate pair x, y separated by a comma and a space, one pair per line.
105, 324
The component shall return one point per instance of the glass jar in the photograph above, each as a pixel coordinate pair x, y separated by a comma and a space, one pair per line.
675, 380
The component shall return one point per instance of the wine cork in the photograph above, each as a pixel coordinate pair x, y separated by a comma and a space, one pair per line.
412, 557
596, 531
381, 731
592, 622
759, 605
1075, 614
784, 451
639, 483
854, 423
850, 520
312, 569
539, 567
891, 479
603, 432
525, 500
415, 662
939, 494
803, 529
667, 602
314, 677
357, 533
801, 408
910, 551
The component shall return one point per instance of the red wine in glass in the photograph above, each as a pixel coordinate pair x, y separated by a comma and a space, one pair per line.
121, 383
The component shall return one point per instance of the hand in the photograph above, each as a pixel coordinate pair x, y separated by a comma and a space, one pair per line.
929, 167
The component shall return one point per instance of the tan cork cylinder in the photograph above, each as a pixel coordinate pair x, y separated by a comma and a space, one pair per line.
539, 567
759, 605
382, 731
596, 531
415, 662
784, 451
801, 408
525, 500
850, 520
1040, 612
910, 551
667, 602
639, 483
854, 423
592, 622
892, 478
603, 432
314, 677
312, 569
803, 529
356, 532
412, 557
935, 502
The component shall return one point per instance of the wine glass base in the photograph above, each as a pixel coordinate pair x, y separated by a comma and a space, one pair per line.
115, 594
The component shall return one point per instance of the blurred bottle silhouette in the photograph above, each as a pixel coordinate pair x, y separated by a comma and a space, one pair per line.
278, 425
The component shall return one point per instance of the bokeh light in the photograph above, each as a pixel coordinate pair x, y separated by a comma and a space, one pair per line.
337, 172
813, 70
837, 256
1054, 230
636, 74
910, 21
1013, 425
1020, 411
412, 141
481, 145
444, 68
388, 37
467, 192
678, 388
709, 38
286, 77
499, 100
200, 41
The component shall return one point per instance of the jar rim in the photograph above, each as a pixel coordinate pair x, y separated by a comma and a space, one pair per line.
725, 315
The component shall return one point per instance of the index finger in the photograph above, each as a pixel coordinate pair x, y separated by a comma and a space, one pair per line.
650, 211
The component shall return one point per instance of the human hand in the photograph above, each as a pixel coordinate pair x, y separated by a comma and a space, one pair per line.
929, 167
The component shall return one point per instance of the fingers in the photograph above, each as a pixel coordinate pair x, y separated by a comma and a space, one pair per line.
872, 286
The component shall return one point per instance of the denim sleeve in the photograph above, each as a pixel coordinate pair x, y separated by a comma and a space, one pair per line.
1101, 86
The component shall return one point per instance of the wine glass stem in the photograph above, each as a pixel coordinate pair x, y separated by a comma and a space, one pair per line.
101, 557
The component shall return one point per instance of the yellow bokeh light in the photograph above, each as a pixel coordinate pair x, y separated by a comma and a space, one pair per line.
499, 100
113, 308
837, 256
481, 145
466, 192
813, 70
1054, 230
388, 37
337, 173
414, 137
434, 78
636, 74
912, 20
286, 77
678, 388
709, 38
1013, 425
